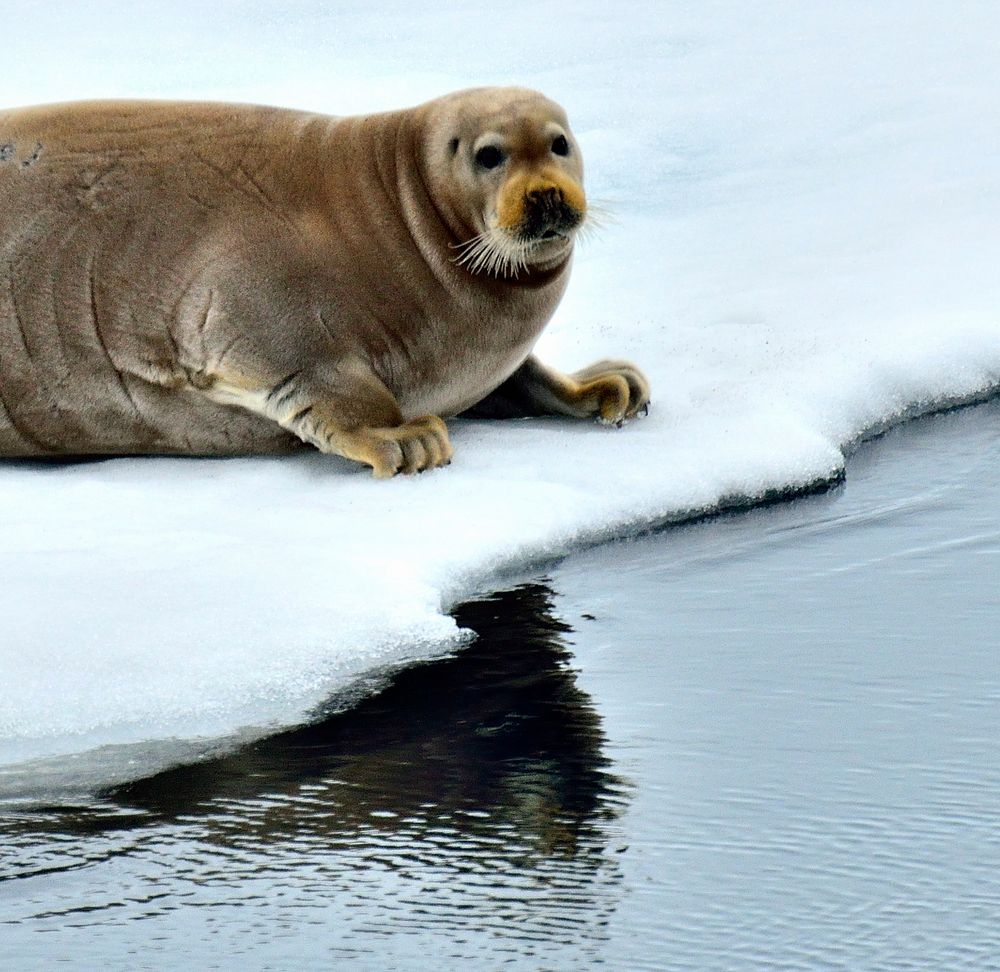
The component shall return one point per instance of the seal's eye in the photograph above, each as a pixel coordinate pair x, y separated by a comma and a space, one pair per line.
489, 157
560, 146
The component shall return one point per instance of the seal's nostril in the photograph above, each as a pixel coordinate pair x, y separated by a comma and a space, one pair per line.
547, 215
545, 198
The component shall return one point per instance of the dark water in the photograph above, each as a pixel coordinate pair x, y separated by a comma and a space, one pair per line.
767, 741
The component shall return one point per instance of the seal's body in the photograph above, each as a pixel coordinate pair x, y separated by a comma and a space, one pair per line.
225, 279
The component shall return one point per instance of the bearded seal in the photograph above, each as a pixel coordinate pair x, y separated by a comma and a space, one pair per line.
229, 279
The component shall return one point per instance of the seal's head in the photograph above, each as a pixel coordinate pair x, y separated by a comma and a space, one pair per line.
508, 176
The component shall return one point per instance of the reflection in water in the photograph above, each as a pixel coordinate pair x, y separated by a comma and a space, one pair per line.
501, 728
469, 798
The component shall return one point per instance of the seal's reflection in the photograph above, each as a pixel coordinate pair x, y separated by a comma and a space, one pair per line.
498, 739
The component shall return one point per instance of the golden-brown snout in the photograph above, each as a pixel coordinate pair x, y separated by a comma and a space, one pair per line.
541, 205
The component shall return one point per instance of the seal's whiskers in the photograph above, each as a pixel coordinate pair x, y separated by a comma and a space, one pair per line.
494, 252
599, 216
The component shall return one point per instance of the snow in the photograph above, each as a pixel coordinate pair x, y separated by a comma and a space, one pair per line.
803, 248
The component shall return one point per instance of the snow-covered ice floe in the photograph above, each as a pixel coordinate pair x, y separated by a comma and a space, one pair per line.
804, 249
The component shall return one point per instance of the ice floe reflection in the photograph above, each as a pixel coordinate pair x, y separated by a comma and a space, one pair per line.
475, 785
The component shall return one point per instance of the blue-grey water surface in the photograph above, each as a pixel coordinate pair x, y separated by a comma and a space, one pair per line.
765, 741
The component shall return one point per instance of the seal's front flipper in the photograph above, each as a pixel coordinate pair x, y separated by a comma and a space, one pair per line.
408, 448
611, 391
344, 410
614, 391
359, 429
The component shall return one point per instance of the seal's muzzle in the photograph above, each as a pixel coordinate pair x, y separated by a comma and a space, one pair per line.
547, 215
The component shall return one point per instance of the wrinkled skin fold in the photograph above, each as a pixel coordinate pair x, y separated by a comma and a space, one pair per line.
230, 279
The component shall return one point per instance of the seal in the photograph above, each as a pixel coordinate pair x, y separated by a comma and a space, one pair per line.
229, 279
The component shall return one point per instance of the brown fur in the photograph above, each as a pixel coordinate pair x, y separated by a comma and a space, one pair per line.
226, 279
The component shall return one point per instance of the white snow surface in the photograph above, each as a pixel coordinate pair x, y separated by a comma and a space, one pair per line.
804, 248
